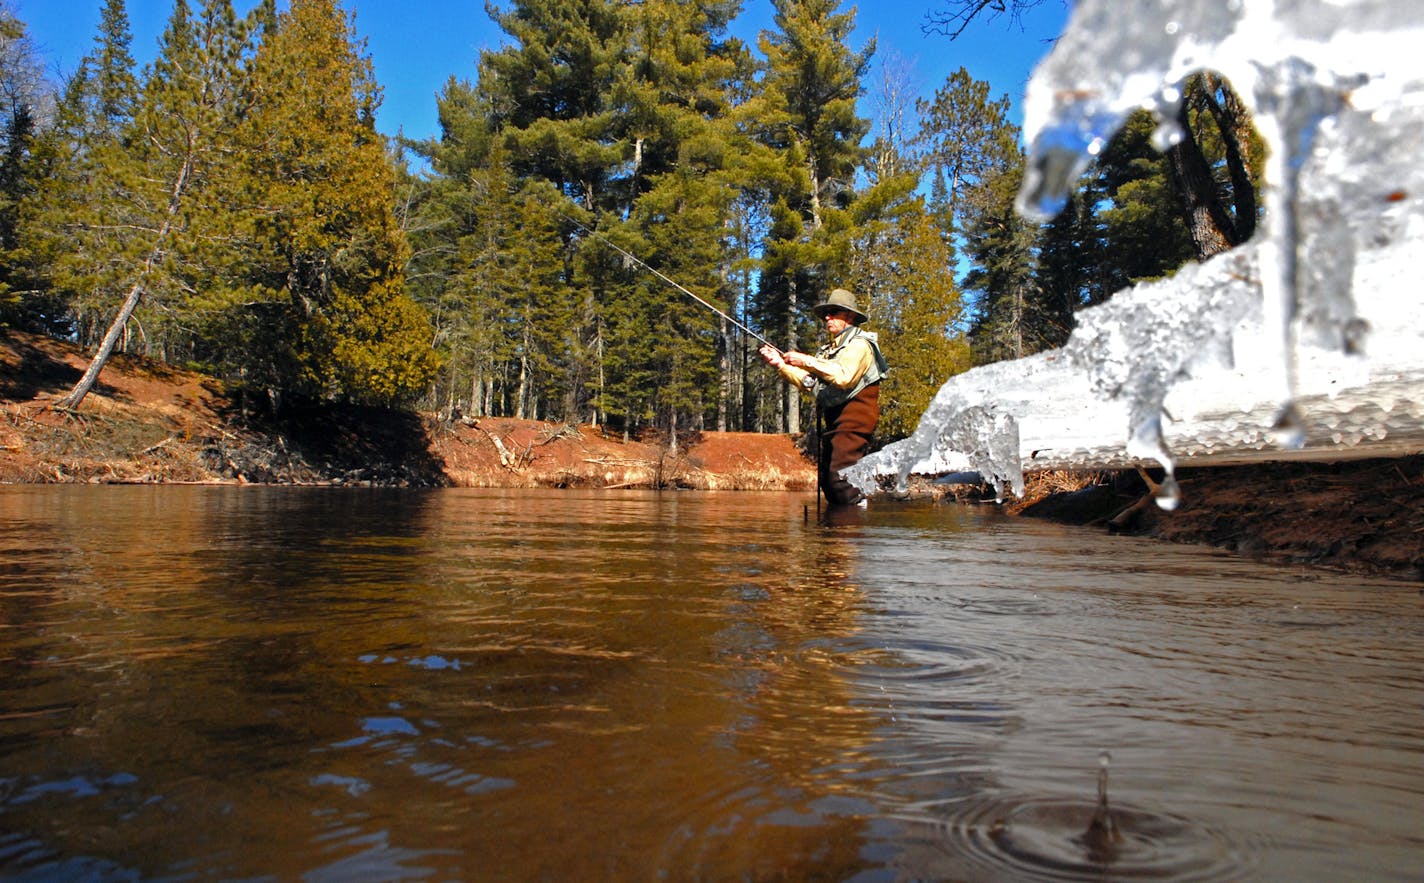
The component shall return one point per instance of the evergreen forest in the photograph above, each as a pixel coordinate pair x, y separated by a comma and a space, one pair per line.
230, 207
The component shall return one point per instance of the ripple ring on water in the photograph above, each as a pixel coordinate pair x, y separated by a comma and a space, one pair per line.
1031, 838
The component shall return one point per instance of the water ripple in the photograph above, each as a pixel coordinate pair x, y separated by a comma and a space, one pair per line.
1054, 838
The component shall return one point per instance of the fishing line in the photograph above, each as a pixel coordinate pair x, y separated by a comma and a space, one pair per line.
640, 262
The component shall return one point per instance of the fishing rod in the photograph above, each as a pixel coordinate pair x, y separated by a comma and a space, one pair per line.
658, 273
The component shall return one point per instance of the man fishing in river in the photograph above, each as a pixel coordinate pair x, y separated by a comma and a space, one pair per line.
845, 377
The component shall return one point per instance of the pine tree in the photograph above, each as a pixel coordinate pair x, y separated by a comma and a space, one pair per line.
746, 389
806, 111
492, 267
24, 105
111, 69
661, 347
966, 137
459, 225
322, 245
1122, 225
68, 218
1000, 247
1145, 236
555, 96
551, 93
138, 188
1069, 273
684, 179
625, 110
917, 310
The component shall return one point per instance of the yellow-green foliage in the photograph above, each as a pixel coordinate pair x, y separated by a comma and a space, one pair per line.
320, 190
916, 307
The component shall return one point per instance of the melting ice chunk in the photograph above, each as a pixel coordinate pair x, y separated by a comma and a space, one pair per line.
1295, 65
1336, 88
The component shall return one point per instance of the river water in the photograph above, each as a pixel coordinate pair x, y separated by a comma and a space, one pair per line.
319, 684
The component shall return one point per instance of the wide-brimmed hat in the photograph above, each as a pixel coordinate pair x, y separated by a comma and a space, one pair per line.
840, 299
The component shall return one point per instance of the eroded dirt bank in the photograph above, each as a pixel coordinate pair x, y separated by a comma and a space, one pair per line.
151, 423
1361, 515
146, 422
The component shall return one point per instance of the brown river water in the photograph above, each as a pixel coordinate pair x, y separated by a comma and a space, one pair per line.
360, 685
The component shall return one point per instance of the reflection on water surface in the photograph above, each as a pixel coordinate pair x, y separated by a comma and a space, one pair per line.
207, 683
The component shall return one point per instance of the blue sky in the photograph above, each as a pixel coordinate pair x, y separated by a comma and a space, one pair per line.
416, 45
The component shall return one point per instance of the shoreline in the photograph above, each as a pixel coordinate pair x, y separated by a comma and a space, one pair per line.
147, 423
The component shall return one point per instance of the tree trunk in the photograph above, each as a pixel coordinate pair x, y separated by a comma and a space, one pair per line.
815, 178
106, 349
1212, 227
600, 413
1233, 120
793, 401
724, 372
1200, 208
523, 389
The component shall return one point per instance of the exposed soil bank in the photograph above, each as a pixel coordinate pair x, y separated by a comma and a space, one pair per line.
146, 422
150, 423
1362, 515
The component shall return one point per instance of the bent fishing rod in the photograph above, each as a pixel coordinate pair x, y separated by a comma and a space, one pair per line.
658, 273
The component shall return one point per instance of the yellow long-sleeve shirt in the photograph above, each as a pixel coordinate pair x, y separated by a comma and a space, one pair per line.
842, 372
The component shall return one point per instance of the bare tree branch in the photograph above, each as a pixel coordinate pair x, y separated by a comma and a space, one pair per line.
956, 15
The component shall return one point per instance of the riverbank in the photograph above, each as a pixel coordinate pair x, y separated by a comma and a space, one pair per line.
1364, 516
150, 423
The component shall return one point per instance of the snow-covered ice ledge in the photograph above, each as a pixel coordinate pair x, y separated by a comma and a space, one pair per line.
1308, 342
